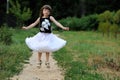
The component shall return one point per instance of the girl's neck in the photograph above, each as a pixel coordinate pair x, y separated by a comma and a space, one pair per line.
45, 16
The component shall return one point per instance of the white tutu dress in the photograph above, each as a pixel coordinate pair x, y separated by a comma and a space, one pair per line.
45, 41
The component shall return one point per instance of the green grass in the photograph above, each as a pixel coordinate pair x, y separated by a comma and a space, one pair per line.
13, 56
89, 56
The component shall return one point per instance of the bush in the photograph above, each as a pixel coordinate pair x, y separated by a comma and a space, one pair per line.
106, 16
114, 28
5, 35
89, 22
72, 22
116, 17
85, 23
109, 22
104, 27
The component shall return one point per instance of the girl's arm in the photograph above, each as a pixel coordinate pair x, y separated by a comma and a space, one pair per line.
31, 25
58, 24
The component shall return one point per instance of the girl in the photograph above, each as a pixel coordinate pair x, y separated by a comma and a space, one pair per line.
45, 41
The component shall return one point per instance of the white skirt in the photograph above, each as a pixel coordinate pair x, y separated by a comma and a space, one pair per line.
45, 42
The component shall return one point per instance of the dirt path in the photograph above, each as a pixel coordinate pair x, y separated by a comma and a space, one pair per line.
32, 72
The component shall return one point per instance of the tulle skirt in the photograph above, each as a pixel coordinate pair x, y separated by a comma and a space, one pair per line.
45, 42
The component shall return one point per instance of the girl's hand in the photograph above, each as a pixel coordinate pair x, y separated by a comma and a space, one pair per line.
66, 28
25, 28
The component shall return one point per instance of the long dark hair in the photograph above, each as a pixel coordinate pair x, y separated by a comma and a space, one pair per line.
45, 7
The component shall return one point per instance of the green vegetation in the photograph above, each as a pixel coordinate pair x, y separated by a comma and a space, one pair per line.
109, 22
5, 35
85, 23
21, 15
89, 56
13, 56
106, 22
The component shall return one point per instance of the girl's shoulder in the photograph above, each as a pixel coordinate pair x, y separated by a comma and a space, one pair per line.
51, 18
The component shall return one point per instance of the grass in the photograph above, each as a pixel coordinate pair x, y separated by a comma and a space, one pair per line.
87, 55
13, 56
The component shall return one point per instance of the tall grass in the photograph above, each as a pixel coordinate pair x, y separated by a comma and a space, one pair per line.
89, 56
13, 56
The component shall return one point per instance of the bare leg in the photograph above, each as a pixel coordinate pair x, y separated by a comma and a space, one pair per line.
39, 56
47, 56
47, 60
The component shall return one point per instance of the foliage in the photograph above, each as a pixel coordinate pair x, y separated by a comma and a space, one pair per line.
5, 35
85, 23
66, 8
89, 22
109, 22
74, 8
104, 27
22, 15
105, 16
114, 29
116, 17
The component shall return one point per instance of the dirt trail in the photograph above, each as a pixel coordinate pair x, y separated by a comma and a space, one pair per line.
32, 72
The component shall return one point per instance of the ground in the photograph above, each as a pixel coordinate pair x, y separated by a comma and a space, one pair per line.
32, 72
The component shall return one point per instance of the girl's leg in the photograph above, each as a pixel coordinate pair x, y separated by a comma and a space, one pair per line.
47, 56
39, 56
47, 60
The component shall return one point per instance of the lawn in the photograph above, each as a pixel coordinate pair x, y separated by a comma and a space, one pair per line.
87, 56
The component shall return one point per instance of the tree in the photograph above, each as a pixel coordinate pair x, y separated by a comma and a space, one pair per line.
22, 15
105, 22
116, 23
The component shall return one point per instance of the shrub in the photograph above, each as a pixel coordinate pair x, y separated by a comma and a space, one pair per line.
114, 29
5, 35
109, 22
85, 23
104, 27
73, 23
89, 22
116, 17
105, 16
